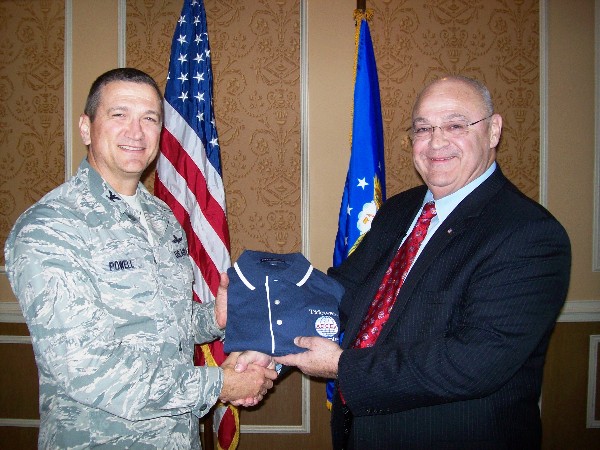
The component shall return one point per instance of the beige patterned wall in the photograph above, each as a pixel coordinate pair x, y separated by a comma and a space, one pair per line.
255, 52
256, 57
256, 66
31, 105
497, 42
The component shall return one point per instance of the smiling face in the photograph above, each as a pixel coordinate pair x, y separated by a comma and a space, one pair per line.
448, 163
123, 139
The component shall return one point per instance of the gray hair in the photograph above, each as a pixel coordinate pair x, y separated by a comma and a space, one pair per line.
476, 85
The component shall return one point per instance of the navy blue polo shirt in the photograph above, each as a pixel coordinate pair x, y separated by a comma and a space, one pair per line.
272, 298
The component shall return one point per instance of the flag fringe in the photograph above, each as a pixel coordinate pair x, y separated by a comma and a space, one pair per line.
359, 15
236, 437
210, 361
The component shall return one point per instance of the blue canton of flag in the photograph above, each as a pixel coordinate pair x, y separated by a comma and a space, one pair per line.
189, 81
364, 191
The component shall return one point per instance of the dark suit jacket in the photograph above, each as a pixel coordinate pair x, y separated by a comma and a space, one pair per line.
459, 363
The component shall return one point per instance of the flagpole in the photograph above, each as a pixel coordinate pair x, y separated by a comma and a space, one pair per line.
361, 4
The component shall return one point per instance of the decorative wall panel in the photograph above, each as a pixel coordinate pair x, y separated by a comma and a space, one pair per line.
31, 105
255, 50
496, 42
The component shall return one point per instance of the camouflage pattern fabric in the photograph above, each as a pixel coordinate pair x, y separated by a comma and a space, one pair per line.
111, 319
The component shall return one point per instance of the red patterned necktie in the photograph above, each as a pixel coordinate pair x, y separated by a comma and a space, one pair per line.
394, 277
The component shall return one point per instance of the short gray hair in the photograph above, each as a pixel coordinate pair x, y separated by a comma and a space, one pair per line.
476, 85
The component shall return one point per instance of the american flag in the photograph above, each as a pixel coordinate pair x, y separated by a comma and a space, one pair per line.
189, 177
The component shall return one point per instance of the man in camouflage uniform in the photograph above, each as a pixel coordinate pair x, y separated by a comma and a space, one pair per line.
100, 268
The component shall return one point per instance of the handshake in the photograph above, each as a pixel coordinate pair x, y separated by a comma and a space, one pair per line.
247, 376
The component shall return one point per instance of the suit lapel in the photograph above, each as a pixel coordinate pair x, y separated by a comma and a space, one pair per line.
457, 223
397, 225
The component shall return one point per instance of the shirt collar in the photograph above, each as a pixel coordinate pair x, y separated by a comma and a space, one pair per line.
252, 267
445, 205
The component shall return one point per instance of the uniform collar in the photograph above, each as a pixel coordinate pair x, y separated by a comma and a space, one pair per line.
104, 193
252, 266
99, 188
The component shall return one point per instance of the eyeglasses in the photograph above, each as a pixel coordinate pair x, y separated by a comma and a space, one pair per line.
453, 129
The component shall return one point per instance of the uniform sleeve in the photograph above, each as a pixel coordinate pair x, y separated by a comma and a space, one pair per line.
74, 339
205, 323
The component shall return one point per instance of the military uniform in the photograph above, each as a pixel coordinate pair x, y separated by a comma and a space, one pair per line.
111, 318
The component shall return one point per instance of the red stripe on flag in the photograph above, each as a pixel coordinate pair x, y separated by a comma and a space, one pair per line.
228, 435
186, 167
197, 252
191, 181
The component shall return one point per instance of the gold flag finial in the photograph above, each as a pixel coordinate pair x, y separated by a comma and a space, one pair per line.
360, 14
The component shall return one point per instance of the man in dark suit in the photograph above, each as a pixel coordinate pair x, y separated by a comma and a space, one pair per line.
453, 357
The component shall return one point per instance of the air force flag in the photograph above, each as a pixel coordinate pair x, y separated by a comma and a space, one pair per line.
364, 191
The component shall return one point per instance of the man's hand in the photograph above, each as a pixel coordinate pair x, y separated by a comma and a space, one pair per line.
221, 301
321, 359
241, 361
245, 388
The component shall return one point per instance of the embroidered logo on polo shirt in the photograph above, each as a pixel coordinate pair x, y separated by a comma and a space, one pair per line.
326, 326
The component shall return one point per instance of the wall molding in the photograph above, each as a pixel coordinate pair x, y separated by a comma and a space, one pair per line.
20, 423
596, 225
10, 312
576, 311
592, 421
303, 428
68, 89
5, 339
573, 311
122, 34
543, 170
304, 149
580, 311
